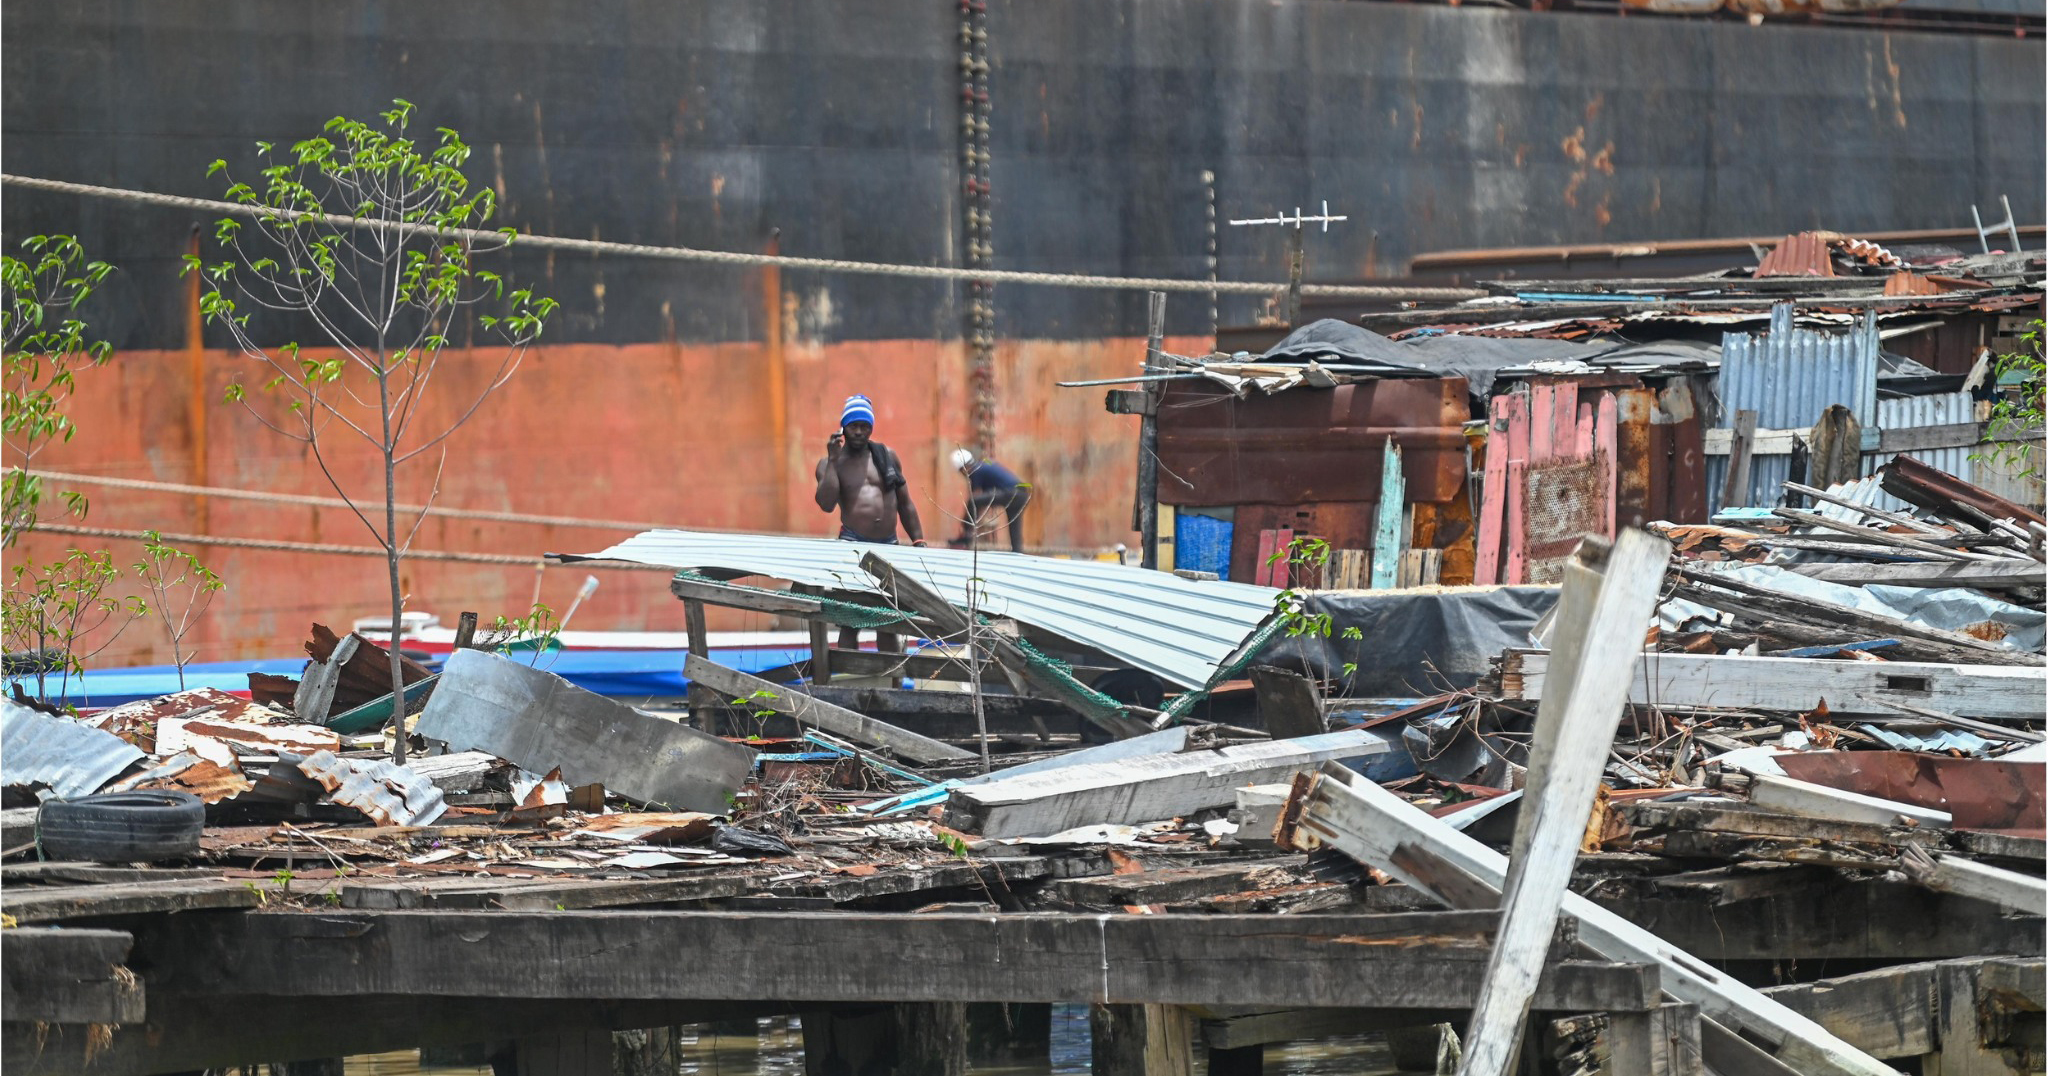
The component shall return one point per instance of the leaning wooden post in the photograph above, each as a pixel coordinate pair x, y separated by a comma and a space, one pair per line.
701, 713
1145, 512
1603, 614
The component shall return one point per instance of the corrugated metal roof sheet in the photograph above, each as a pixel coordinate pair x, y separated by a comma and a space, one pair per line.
1805, 254
72, 759
389, 794
1176, 629
1788, 376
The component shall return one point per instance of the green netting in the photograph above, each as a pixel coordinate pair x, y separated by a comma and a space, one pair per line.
1062, 674
846, 613
1188, 700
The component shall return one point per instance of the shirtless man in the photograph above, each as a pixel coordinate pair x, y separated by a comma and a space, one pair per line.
863, 480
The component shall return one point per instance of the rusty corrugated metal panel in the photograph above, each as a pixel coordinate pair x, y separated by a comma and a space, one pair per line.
388, 795
1310, 446
1918, 484
1910, 283
1804, 254
1920, 412
1978, 793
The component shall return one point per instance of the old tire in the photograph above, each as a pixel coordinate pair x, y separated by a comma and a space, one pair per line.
122, 827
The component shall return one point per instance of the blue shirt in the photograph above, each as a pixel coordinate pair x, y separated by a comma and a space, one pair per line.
988, 474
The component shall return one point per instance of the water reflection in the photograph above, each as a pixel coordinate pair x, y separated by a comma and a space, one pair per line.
777, 1049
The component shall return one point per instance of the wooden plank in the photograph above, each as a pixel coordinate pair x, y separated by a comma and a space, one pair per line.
522, 895
753, 599
1415, 960
1735, 489
1283, 547
1796, 685
1287, 703
1662, 1042
1604, 608
821, 653
1141, 1040
1542, 427
1727, 819
1888, 1013
700, 698
1168, 885
1867, 511
1341, 809
1145, 789
1876, 922
757, 693
2002, 572
1517, 533
37, 904
96, 873
1388, 538
1884, 538
1262, 568
68, 976
1493, 495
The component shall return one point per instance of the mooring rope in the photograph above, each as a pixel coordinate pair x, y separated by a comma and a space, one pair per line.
737, 258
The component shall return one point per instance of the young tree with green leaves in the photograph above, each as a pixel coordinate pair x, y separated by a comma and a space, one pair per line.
45, 343
180, 588
2014, 438
367, 240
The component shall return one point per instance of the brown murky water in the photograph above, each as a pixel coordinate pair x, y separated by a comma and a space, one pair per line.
778, 1050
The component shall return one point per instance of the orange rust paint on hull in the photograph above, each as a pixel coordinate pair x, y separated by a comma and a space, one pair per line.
660, 432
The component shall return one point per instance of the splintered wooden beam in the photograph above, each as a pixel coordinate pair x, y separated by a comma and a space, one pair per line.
38, 904
1340, 809
1426, 960
1604, 610
757, 693
914, 595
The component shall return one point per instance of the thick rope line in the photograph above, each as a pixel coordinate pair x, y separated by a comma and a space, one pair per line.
335, 550
336, 502
734, 258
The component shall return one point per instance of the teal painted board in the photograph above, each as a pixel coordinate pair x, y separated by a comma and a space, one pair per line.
1387, 539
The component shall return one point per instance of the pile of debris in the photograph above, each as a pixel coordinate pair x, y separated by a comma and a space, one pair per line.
1854, 713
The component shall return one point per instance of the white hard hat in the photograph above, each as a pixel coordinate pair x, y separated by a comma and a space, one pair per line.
961, 458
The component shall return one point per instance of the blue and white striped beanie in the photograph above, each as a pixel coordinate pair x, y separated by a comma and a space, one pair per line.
858, 409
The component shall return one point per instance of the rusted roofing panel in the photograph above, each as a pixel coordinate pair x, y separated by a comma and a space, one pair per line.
1805, 254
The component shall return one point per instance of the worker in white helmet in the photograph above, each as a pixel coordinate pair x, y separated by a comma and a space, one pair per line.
990, 484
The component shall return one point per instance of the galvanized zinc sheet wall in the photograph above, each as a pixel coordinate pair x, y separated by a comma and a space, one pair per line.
1788, 376
1912, 412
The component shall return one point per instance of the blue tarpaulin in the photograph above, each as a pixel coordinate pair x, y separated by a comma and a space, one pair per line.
615, 673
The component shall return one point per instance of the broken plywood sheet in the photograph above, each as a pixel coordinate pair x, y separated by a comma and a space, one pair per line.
539, 721
1147, 788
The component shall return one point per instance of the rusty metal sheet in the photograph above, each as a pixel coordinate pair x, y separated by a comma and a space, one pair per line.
1979, 793
1918, 484
1804, 254
1310, 446
1633, 461
387, 794
1562, 502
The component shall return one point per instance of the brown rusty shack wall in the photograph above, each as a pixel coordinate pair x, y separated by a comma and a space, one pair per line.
1309, 460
